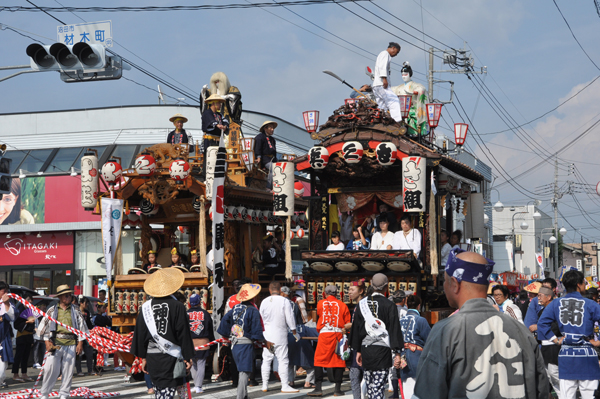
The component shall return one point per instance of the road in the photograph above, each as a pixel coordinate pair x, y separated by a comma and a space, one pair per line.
112, 381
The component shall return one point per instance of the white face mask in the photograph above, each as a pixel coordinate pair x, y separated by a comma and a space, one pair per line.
406, 76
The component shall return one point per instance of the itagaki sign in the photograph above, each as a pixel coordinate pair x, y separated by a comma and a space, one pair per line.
30, 250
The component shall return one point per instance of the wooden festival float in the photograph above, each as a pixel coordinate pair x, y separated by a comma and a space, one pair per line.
364, 158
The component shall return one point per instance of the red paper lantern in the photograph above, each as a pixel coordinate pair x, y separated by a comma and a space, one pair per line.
405, 102
291, 235
434, 111
300, 233
179, 170
145, 165
318, 157
111, 171
460, 133
386, 153
298, 189
311, 120
352, 152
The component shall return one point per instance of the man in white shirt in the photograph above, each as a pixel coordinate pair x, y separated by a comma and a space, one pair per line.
382, 87
277, 315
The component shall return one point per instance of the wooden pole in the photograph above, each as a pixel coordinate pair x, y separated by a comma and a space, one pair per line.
202, 234
433, 247
288, 249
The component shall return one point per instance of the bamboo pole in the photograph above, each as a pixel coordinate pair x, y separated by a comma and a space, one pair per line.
202, 234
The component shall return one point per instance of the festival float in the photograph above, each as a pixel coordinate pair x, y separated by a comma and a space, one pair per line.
364, 158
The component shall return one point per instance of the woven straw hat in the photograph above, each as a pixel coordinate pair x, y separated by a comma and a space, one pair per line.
164, 282
178, 116
262, 127
215, 97
534, 287
63, 289
247, 292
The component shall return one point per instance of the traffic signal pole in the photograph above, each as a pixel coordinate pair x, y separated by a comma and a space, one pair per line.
9, 68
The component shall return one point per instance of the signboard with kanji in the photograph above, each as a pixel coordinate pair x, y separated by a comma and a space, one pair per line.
88, 32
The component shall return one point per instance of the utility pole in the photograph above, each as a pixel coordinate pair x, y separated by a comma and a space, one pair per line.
555, 206
582, 256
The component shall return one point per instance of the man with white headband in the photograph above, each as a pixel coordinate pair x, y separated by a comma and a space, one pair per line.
478, 352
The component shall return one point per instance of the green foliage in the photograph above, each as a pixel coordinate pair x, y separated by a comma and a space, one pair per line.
33, 194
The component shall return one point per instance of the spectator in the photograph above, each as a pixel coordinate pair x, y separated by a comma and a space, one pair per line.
24, 324
358, 242
335, 245
507, 306
84, 305
39, 346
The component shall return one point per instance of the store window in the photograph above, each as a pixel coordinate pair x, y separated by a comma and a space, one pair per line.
59, 277
41, 281
4, 276
64, 159
21, 277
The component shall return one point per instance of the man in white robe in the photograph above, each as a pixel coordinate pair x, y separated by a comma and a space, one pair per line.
382, 87
278, 316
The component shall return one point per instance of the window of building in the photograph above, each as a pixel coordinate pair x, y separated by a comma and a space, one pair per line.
35, 160
17, 158
64, 159
126, 153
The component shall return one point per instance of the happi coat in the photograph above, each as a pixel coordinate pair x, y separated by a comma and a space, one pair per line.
172, 324
481, 353
332, 314
243, 326
377, 355
415, 330
575, 315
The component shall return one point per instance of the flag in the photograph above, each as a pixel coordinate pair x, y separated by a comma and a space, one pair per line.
112, 217
218, 228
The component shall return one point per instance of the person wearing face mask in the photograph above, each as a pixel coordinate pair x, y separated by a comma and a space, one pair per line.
265, 149
382, 88
417, 116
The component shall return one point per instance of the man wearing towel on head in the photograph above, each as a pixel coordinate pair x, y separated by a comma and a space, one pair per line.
375, 336
478, 352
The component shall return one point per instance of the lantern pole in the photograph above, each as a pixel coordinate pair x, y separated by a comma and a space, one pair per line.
202, 234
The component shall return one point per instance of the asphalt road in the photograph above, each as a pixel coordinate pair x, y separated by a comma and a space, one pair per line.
114, 381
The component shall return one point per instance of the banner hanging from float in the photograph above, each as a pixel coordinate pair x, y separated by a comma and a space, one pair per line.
414, 181
218, 228
112, 217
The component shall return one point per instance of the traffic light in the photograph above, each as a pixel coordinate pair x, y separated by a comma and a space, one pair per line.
81, 62
60, 57
5, 179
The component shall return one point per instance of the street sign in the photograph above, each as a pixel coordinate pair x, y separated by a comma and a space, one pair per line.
578, 263
89, 32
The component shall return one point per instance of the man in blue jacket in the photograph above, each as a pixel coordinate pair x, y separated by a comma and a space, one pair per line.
578, 366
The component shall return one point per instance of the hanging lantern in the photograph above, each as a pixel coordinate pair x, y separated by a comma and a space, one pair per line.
231, 213
386, 153
302, 221
292, 235
111, 171
434, 111
318, 157
148, 208
294, 221
298, 189
405, 102
196, 203
272, 218
256, 217
179, 170
352, 152
145, 165
89, 180
311, 120
264, 217
300, 233
460, 133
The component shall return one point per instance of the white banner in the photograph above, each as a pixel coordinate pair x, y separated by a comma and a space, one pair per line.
211, 160
112, 216
414, 183
283, 188
218, 228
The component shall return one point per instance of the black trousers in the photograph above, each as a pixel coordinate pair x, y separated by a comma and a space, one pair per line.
335, 374
89, 358
24, 344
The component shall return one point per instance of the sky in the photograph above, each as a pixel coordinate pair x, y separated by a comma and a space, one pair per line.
276, 56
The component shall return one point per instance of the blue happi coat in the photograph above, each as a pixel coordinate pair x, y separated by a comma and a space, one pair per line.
575, 316
415, 330
246, 318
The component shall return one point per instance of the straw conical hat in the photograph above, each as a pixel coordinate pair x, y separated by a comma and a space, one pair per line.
247, 292
266, 124
178, 116
164, 282
215, 97
534, 287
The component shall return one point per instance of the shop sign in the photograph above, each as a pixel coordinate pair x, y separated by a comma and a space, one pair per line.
413, 184
49, 249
